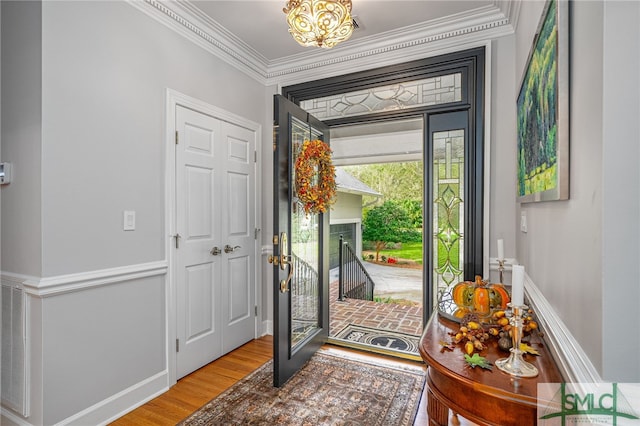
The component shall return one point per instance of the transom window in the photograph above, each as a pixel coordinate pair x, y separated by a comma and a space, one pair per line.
424, 92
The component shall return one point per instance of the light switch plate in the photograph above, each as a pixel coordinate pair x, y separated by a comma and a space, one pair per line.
129, 220
523, 222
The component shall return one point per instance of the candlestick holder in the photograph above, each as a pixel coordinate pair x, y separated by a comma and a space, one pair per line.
501, 269
515, 364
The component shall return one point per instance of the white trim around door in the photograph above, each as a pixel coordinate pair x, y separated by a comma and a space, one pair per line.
173, 100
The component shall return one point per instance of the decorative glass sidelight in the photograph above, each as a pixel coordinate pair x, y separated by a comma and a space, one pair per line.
429, 91
448, 209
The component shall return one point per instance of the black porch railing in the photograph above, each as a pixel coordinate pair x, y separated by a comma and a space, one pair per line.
353, 279
304, 288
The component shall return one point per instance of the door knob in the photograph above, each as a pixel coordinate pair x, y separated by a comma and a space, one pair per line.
215, 251
229, 249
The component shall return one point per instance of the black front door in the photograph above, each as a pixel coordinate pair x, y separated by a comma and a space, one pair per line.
300, 251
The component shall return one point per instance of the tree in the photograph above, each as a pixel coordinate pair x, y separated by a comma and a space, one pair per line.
395, 181
388, 223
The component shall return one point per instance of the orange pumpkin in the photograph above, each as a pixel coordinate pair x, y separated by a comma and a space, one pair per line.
500, 296
481, 300
480, 297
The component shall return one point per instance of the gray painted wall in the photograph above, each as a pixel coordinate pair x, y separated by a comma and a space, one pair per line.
97, 73
105, 70
563, 246
21, 137
502, 167
621, 186
582, 252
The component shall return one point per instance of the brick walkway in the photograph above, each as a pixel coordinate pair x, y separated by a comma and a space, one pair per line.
383, 316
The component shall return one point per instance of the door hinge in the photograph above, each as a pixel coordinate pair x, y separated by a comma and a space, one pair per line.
176, 137
255, 156
256, 310
177, 237
275, 136
177, 345
255, 233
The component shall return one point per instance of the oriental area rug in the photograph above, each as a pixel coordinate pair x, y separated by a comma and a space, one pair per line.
328, 390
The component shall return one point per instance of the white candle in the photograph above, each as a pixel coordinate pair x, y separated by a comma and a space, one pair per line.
517, 285
500, 250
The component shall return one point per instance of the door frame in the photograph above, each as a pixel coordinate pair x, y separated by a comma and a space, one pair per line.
478, 100
174, 99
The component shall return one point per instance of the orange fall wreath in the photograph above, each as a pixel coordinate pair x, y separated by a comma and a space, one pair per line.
315, 177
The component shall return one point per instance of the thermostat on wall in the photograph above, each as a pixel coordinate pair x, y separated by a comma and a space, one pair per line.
5, 173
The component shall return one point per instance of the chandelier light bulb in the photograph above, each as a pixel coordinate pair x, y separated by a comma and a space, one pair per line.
322, 23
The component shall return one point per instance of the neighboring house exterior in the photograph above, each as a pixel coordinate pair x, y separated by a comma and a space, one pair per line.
346, 214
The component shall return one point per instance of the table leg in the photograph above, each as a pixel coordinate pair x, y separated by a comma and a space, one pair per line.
437, 411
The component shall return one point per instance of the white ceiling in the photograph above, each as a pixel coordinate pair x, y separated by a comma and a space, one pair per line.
262, 25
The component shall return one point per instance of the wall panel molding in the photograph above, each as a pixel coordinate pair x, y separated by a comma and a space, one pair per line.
16, 360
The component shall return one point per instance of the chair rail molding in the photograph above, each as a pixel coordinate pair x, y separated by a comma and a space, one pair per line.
52, 286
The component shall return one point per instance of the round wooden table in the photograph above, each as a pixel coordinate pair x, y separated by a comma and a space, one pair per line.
482, 396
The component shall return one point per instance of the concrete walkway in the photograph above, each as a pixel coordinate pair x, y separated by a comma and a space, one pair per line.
394, 282
391, 281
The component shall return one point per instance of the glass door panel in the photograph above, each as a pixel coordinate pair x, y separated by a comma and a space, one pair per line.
305, 250
448, 209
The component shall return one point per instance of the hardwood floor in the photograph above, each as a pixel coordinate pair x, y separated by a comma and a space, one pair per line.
199, 387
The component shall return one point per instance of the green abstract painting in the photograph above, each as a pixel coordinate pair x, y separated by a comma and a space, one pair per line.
538, 115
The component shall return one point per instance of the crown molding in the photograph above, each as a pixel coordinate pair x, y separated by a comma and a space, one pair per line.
511, 9
212, 38
400, 46
470, 28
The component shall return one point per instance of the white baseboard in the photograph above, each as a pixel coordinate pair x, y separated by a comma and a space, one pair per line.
267, 327
10, 416
574, 364
116, 406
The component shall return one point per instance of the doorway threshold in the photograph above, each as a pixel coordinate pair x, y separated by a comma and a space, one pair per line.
383, 328
381, 350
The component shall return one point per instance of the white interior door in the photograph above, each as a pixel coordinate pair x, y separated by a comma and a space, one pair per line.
199, 272
238, 215
215, 253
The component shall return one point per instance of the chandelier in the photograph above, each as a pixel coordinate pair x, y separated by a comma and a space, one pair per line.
321, 23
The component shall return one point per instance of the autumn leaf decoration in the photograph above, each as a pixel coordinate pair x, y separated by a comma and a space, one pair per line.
446, 346
528, 349
315, 177
477, 361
